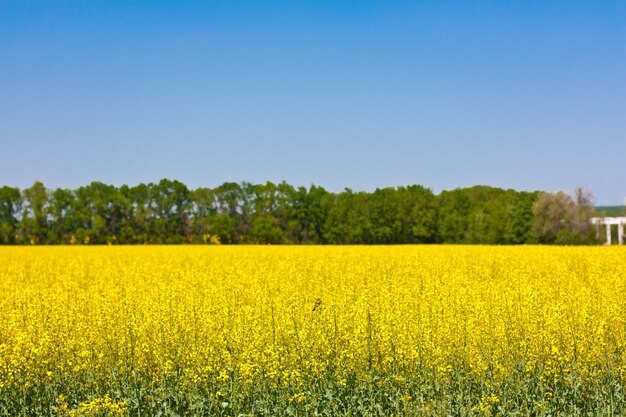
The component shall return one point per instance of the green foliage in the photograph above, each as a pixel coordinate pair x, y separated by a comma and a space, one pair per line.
168, 212
563, 219
483, 214
378, 394
265, 230
10, 205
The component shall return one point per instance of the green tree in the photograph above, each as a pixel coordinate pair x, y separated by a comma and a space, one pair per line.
265, 230
168, 212
34, 221
519, 226
234, 200
203, 209
62, 205
453, 216
309, 213
560, 218
421, 214
172, 206
10, 207
348, 219
140, 228
223, 226
98, 212
554, 213
485, 215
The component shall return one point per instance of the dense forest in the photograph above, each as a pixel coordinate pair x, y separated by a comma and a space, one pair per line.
170, 212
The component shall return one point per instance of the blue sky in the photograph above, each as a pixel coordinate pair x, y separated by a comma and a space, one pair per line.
526, 95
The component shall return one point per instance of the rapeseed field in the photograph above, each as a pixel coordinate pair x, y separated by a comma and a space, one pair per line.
310, 330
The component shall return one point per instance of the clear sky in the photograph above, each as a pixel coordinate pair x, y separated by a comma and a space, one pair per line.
516, 94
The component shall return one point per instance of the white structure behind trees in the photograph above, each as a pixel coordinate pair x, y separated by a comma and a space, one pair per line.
608, 222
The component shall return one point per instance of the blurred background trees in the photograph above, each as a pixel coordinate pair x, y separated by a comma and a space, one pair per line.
564, 219
169, 212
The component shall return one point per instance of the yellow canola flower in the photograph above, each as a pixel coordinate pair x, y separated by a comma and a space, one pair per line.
97, 407
232, 318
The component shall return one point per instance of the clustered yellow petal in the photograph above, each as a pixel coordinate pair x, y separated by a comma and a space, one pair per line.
110, 329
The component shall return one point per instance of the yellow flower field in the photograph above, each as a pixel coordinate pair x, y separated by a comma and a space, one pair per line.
310, 330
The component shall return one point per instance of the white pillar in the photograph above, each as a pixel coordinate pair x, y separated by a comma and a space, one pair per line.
620, 233
608, 233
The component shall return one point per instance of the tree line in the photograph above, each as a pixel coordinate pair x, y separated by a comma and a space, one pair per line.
169, 212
